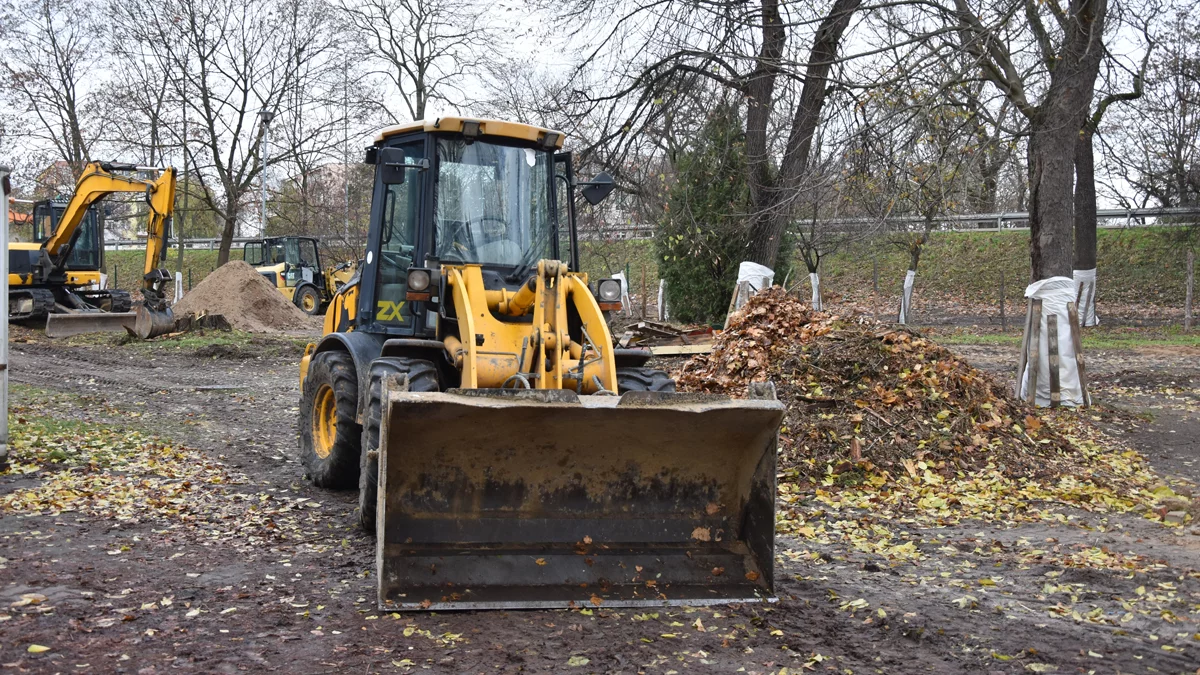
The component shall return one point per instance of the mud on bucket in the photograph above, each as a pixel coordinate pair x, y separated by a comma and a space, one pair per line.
504, 499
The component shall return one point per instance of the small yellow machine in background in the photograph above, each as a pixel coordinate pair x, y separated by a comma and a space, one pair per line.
293, 265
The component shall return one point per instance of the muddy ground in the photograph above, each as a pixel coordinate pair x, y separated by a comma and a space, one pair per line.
211, 593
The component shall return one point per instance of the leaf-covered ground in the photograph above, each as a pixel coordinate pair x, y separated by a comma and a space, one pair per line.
155, 520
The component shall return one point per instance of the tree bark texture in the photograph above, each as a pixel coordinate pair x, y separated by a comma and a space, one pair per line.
1085, 202
1054, 133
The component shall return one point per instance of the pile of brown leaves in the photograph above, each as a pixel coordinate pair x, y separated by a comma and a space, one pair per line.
862, 395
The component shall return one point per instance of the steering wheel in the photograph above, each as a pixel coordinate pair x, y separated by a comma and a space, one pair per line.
483, 219
394, 259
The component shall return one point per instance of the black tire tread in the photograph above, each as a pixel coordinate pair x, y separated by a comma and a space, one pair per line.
120, 301
308, 290
339, 470
422, 376
643, 379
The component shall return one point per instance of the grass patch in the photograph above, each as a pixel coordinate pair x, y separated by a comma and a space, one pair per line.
968, 265
126, 266
215, 343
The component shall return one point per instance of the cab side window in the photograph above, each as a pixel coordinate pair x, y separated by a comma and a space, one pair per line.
398, 239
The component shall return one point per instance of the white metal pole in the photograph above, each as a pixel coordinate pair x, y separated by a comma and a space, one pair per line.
4, 190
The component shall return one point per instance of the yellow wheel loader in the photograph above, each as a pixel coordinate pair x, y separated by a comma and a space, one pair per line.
505, 453
293, 265
56, 277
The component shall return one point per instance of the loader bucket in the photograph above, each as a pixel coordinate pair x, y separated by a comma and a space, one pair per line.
543, 499
66, 325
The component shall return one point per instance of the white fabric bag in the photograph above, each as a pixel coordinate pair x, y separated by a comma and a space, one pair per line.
1054, 293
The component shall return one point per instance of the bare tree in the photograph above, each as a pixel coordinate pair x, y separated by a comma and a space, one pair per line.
1085, 172
778, 59
233, 63
426, 49
1069, 56
52, 59
1156, 147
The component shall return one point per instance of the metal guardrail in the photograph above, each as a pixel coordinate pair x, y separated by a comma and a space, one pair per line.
209, 244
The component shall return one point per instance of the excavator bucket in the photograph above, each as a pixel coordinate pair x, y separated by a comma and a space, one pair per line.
152, 323
543, 499
78, 323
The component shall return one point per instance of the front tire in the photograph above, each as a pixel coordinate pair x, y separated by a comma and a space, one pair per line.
643, 379
308, 300
422, 376
329, 435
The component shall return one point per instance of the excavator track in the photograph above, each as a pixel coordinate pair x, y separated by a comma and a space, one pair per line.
116, 301
29, 303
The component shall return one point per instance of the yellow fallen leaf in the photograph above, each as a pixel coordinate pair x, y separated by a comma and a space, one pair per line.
37, 649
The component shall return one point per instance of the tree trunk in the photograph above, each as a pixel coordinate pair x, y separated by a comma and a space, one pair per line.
1085, 228
1085, 202
231, 218
1051, 193
770, 199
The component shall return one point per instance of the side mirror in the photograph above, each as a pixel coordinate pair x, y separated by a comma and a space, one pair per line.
595, 190
392, 164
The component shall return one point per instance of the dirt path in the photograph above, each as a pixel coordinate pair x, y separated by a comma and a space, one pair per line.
122, 596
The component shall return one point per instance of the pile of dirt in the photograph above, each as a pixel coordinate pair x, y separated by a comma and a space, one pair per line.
861, 395
245, 298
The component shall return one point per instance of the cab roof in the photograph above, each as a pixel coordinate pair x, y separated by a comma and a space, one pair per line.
514, 130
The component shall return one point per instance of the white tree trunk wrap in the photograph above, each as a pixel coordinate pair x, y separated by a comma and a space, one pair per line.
663, 312
626, 302
815, 279
1054, 293
906, 298
1085, 294
759, 276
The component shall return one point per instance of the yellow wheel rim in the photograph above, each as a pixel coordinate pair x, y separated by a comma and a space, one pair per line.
324, 421
308, 303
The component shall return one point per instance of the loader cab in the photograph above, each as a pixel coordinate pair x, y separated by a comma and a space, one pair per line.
87, 246
293, 266
460, 191
298, 256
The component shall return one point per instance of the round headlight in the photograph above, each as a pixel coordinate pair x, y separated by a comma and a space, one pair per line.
610, 290
418, 280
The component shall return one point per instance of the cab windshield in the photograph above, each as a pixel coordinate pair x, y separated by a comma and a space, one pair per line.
493, 204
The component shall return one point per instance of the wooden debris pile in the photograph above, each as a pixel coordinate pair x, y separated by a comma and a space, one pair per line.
864, 397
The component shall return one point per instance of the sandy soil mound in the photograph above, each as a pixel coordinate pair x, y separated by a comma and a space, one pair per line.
245, 298
860, 391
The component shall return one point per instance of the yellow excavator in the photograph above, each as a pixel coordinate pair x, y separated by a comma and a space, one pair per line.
293, 265
506, 455
57, 276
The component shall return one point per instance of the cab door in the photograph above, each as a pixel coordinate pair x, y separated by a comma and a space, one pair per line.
394, 242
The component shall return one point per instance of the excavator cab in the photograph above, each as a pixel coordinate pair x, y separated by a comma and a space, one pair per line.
506, 455
87, 246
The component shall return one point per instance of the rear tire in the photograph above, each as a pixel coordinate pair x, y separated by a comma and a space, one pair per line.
308, 300
643, 379
329, 434
422, 376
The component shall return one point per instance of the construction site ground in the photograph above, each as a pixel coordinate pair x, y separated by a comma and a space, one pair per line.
187, 540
